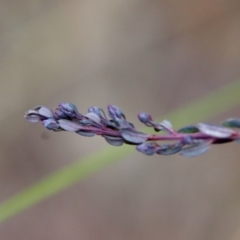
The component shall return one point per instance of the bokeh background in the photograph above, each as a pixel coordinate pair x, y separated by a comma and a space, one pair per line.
152, 56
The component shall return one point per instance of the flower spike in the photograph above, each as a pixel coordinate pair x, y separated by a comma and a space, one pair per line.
188, 141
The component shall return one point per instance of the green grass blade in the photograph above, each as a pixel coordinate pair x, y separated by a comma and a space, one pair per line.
215, 103
60, 180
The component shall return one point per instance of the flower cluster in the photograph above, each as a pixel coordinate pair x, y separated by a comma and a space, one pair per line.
189, 141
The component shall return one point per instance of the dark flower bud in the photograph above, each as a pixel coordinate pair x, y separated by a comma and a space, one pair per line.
166, 125
44, 112
68, 125
115, 112
93, 117
98, 111
51, 124
196, 149
115, 141
122, 123
60, 114
39, 113
85, 133
169, 149
215, 130
145, 118
32, 116
85, 122
133, 136
69, 109
148, 148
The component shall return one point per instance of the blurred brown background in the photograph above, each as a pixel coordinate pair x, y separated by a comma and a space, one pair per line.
150, 56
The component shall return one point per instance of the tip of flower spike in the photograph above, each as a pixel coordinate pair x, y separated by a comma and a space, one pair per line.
39, 113
44, 111
32, 116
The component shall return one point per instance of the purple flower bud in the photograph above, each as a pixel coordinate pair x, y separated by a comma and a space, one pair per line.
45, 112
145, 118
169, 149
39, 113
68, 125
60, 114
148, 148
69, 109
51, 124
98, 111
32, 116
132, 136
85, 122
122, 123
94, 117
166, 125
196, 149
215, 131
86, 133
115, 141
115, 112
